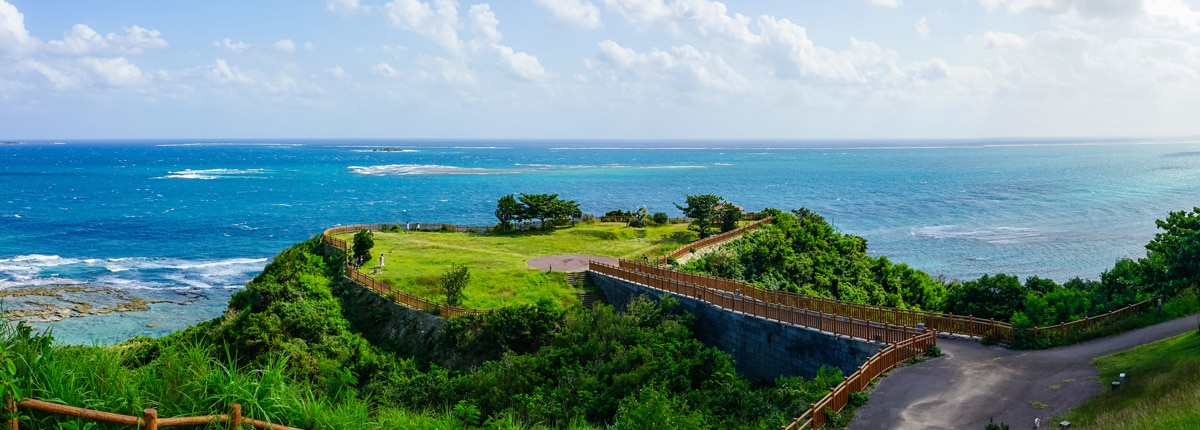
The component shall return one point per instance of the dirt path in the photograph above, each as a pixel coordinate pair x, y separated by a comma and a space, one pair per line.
973, 382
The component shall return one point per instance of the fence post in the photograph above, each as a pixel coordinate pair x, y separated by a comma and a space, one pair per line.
150, 418
235, 416
10, 407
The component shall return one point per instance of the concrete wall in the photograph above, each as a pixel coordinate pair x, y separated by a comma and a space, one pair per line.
762, 349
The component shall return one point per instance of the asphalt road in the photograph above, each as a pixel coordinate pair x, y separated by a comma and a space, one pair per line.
973, 382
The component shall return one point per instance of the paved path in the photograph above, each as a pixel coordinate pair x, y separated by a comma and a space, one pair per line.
973, 382
568, 262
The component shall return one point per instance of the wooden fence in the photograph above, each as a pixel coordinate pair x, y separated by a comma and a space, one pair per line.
149, 419
882, 361
386, 290
946, 323
714, 239
831, 323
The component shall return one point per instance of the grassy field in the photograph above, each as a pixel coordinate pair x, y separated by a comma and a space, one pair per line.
1162, 388
499, 277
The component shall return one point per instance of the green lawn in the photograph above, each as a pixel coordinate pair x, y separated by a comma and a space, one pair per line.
1162, 388
499, 277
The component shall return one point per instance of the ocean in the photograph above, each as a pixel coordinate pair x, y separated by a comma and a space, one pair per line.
179, 225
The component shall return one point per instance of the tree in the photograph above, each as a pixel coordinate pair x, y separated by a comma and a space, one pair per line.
539, 206
562, 210
1173, 257
730, 215
507, 211
453, 282
701, 208
995, 297
364, 240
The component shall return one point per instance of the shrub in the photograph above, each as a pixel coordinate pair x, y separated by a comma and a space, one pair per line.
858, 399
933, 351
660, 218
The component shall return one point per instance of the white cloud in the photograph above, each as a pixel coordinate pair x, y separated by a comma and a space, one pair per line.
346, 7
60, 79
579, 13
223, 73
447, 72
114, 71
285, 45
1157, 17
520, 65
237, 47
639, 12
308, 46
82, 40
383, 70
683, 67
923, 28
13, 35
338, 73
437, 23
887, 3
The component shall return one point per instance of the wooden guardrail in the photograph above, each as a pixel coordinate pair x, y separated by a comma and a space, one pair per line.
945, 323
831, 323
149, 419
904, 343
386, 290
714, 239
882, 361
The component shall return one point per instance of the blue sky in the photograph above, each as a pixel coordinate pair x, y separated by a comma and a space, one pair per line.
599, 69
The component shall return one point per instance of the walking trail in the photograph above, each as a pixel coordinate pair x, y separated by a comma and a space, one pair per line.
972, 382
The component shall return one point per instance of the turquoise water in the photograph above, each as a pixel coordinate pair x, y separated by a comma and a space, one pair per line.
171, 219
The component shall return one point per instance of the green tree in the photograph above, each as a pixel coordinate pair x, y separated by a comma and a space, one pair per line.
539, 206
364, 240
730, 215
561, 211
995, 297
453, 282
1173, 257
507, 211
701, 208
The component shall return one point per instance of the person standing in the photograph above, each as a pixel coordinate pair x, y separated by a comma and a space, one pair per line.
380, 259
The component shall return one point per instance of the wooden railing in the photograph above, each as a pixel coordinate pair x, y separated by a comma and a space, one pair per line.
386, 290
149, 419
714, 239
947, 323
882, 361
831, 323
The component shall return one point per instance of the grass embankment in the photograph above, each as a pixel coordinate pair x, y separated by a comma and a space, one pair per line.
415, 261
1161, 390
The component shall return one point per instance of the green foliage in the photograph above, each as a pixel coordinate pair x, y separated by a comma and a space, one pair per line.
363, 242
730, 215
989, 297
660, 218
991, 425
933, 351
507, 211
858, 398
1173, 257
548, 206
702, 209
453, 282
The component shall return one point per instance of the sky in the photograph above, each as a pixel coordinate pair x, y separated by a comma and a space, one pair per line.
599, 69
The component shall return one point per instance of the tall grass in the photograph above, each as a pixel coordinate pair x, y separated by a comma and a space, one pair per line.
184, 379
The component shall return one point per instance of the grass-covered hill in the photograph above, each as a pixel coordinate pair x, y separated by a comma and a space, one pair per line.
286, 350
415, 260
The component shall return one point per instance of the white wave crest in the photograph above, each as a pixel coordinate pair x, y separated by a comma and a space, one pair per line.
993, 235
426, 169
210, 174
127, 273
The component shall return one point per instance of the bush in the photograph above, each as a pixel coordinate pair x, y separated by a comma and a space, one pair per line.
660, 218
858, 399
933, 351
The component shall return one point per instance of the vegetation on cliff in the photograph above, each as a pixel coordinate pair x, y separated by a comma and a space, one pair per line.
287, 352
